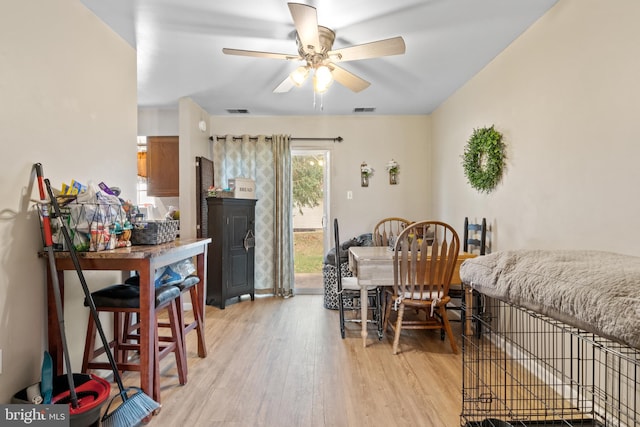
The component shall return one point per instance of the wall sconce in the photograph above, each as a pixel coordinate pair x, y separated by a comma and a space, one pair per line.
365, 172
393, 168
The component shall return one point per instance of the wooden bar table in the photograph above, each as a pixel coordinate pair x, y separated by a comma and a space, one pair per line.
373, 265
145, 259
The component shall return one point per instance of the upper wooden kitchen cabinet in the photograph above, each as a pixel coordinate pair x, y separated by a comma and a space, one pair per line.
162, 166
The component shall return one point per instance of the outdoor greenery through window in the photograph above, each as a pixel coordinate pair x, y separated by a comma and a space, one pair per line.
307, 174
308, 197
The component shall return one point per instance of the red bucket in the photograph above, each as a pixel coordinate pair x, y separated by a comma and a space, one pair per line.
92, 391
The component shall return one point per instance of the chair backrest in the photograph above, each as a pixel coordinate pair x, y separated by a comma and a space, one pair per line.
388, 229
472, 239
336, 237
423, 267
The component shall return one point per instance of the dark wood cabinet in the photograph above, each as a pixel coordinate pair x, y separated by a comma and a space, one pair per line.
231, 226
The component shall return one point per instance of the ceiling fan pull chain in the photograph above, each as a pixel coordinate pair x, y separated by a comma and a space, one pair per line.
321, 101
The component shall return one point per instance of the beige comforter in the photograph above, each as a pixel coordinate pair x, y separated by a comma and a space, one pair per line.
593, 290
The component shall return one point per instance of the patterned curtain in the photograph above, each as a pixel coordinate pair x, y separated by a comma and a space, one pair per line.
268, 162
283, 225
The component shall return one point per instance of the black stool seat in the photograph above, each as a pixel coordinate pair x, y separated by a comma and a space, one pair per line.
128, 296
188, 282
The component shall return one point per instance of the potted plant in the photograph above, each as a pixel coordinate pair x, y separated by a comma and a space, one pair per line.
393, 168
365, 172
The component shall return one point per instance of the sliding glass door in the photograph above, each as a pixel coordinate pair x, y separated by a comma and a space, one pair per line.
310, 212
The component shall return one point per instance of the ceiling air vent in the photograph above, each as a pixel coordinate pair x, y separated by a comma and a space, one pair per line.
364, 109
237, 111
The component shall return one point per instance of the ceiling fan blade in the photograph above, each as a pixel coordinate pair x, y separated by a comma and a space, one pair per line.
348, 79
258, 54
387, 47
286, 85
305, 18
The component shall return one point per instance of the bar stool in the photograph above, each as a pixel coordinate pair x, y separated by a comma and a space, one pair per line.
189, 284
123, 300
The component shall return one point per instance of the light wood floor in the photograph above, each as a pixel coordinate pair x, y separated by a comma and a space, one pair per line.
281, 362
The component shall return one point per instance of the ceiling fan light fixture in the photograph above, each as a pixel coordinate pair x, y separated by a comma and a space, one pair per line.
315, 48
322, 79
299, 75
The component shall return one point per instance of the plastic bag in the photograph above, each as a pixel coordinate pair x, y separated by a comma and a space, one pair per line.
174, 273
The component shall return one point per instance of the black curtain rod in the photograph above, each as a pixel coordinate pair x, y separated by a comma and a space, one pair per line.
336, 139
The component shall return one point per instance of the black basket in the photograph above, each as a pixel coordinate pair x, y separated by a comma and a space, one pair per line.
154, 232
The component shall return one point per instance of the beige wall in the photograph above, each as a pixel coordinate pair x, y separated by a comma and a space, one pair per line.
376, 140
193, 143
566, 96
158, 121
67, 100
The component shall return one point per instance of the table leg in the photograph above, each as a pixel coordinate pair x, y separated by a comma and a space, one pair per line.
147, 337
198, 305
364, 301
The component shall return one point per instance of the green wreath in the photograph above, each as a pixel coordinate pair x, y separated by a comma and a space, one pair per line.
483, 159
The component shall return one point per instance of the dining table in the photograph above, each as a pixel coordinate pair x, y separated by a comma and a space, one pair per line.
145, 260
373, 265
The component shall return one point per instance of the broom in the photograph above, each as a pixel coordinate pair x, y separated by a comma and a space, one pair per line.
136, 405
48, 239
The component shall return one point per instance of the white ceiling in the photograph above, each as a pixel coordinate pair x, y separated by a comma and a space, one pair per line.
179, 47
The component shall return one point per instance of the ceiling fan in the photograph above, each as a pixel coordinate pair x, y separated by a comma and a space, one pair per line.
314, 48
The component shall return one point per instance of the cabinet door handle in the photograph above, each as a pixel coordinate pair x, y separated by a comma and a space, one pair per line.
249, 240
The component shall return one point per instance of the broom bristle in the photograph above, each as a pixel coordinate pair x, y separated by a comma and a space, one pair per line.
131, 412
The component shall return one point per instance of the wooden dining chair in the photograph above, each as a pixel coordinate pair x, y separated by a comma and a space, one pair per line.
474, 241
422, 270
475, 236
348, 287
388, 229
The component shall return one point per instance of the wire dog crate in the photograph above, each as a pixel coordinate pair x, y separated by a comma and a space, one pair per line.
521, 368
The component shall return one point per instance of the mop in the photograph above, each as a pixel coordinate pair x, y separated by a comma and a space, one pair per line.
136, 405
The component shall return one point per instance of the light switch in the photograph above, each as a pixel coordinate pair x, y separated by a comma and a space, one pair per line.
349, 195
